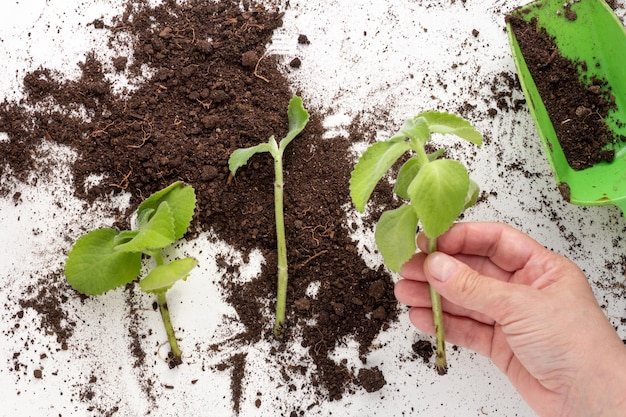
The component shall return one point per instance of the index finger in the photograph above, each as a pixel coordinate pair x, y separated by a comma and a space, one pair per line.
507, 247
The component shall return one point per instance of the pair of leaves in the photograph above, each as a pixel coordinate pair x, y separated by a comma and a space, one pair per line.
104, 259
298, 118
163, 218
438, 194
438, 189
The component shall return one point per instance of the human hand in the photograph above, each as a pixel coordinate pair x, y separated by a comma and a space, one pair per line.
528, 309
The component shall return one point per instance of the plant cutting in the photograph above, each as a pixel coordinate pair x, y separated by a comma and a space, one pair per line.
298, 118
104, 259
436, 191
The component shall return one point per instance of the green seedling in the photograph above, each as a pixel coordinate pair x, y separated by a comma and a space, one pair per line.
437, 191
298, 118
104, 259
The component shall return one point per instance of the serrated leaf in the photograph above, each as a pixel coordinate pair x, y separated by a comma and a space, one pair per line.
473, 190
371, 167
181, 199
161, 278
448, 123
154, 199
298, 118
157, 233
416, 129
240, 156
409, 170
438, 195
395, 236
93, 265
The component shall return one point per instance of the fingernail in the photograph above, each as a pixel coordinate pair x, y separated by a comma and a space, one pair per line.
441, 266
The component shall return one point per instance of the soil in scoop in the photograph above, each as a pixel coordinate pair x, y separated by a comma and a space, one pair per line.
585, 135
204, 100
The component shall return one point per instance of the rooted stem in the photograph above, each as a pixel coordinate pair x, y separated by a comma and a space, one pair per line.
167, 321
281, 292
169, 329
440, 356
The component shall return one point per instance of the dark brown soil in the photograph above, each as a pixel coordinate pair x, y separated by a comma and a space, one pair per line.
205, 100
371, 379
577, 108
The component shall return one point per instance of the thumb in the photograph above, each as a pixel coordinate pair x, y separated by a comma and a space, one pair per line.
462, 285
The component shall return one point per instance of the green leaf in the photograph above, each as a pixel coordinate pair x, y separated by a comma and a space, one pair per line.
415, 128
161, 278
181, 199
447, 123
409, 170
157, 233
153, 200
395, 236
473, 190
240, 156
371, 167
406, 175
124, 236
438, 195
298, 118
144, 217
93, 265
436, 155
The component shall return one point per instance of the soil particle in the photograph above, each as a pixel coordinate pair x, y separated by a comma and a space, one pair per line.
378, 289
424, 349
371, 379
565, 191
295, 63
249, 59
569, 13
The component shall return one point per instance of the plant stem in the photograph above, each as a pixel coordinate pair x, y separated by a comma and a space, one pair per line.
420, 152
281, 292
158, 257
167, 321
440, 356
169, 329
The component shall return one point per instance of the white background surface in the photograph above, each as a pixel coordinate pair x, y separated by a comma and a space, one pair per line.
382, 61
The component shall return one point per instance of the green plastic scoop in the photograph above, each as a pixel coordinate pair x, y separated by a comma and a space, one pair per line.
596, 35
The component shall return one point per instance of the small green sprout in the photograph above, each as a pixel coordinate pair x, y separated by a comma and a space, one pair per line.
104, 259
298, 118
437, 190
